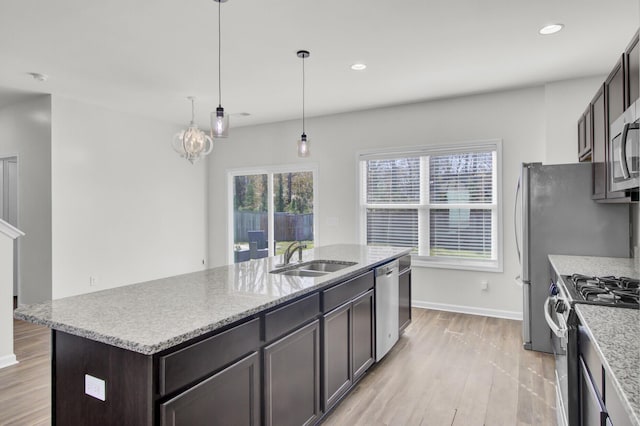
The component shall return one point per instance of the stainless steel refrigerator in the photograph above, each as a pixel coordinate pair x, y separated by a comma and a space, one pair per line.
554, 214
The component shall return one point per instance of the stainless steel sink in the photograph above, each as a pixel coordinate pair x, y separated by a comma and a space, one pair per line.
314, 268
301, 273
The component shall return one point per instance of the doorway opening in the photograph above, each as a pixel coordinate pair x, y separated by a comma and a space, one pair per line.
9, 209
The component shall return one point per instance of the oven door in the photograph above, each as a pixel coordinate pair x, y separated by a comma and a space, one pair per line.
559, 338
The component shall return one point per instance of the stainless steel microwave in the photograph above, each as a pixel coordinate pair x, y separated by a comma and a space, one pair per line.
624, 150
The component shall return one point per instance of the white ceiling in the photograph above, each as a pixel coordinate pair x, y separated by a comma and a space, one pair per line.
148, 56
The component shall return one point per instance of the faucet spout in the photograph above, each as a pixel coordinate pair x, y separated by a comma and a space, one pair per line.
289, 252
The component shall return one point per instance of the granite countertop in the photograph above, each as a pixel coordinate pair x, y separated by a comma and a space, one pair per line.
616, 334
152, 316
596, 266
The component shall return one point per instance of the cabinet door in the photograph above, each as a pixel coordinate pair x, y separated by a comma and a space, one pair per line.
582, 135
584, 153
592, 412
338, 370
404, 314
632, 65
598, 154
363, 329
292, 378
615, 101
230, 397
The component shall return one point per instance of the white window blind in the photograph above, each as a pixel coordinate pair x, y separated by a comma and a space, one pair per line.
442, 203
461, 196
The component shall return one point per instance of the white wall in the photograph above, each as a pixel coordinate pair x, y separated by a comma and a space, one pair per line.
565, 101
518, 117
126, 208
25, 131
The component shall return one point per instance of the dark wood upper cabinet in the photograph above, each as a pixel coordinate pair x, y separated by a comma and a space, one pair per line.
582, 137
585, 151
632, 69
598, 153
615, 92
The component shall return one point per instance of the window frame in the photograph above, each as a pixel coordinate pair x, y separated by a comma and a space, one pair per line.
270, 171
425, 205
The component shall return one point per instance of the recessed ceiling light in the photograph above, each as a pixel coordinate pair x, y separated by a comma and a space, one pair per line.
38, 76
551, 29
358, 67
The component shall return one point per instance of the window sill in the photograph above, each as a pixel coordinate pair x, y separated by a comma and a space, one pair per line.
464, 265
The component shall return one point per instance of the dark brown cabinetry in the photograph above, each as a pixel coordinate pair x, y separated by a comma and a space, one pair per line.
585, 135
338, 353
348, 345
292, 378
615, 89
632, 69
619, 91
230, 397
287, 365
363, 334
599, 402
598, 154
404, 314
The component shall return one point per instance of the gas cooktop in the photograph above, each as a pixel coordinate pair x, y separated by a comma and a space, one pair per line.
610, 291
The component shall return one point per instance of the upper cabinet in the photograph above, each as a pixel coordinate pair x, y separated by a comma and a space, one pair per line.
632, 68
620, 89
599, 153
585, 135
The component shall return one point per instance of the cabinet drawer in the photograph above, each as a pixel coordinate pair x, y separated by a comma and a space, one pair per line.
289, 317
203, 358
346, 291
591, 359
230, 397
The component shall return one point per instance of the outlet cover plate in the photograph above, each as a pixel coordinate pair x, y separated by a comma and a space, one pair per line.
94, 387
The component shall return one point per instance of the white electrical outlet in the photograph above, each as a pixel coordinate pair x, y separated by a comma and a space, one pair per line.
484, 285
93, 281
95, 387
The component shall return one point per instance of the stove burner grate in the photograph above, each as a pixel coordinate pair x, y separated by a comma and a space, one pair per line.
608, 290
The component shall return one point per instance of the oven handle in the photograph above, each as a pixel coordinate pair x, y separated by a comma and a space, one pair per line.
560, 331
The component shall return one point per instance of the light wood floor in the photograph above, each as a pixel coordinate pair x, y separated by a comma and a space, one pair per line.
454, 369
25, 388
447, 369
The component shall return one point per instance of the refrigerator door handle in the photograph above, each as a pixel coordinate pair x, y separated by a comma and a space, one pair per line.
515, 221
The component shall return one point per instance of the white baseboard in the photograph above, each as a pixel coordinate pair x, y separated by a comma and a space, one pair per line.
8, 360
472, 310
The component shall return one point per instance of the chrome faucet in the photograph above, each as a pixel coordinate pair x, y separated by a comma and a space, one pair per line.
288, 253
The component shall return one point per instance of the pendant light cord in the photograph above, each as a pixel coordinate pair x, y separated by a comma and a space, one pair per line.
219, 56
303, 132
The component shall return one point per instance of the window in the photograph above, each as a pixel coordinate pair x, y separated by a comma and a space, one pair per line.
443, 201
271, 208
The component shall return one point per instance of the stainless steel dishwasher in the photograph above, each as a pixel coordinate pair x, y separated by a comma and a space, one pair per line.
387, 308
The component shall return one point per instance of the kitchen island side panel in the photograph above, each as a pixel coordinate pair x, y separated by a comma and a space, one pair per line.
127, 376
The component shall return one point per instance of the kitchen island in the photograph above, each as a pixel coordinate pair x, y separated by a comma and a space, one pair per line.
230, 342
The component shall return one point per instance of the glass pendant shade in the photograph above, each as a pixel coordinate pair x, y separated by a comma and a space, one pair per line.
219, 123
304, 150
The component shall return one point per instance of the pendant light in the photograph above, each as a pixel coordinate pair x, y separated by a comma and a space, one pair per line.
192, 143
303, 144
219, 121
